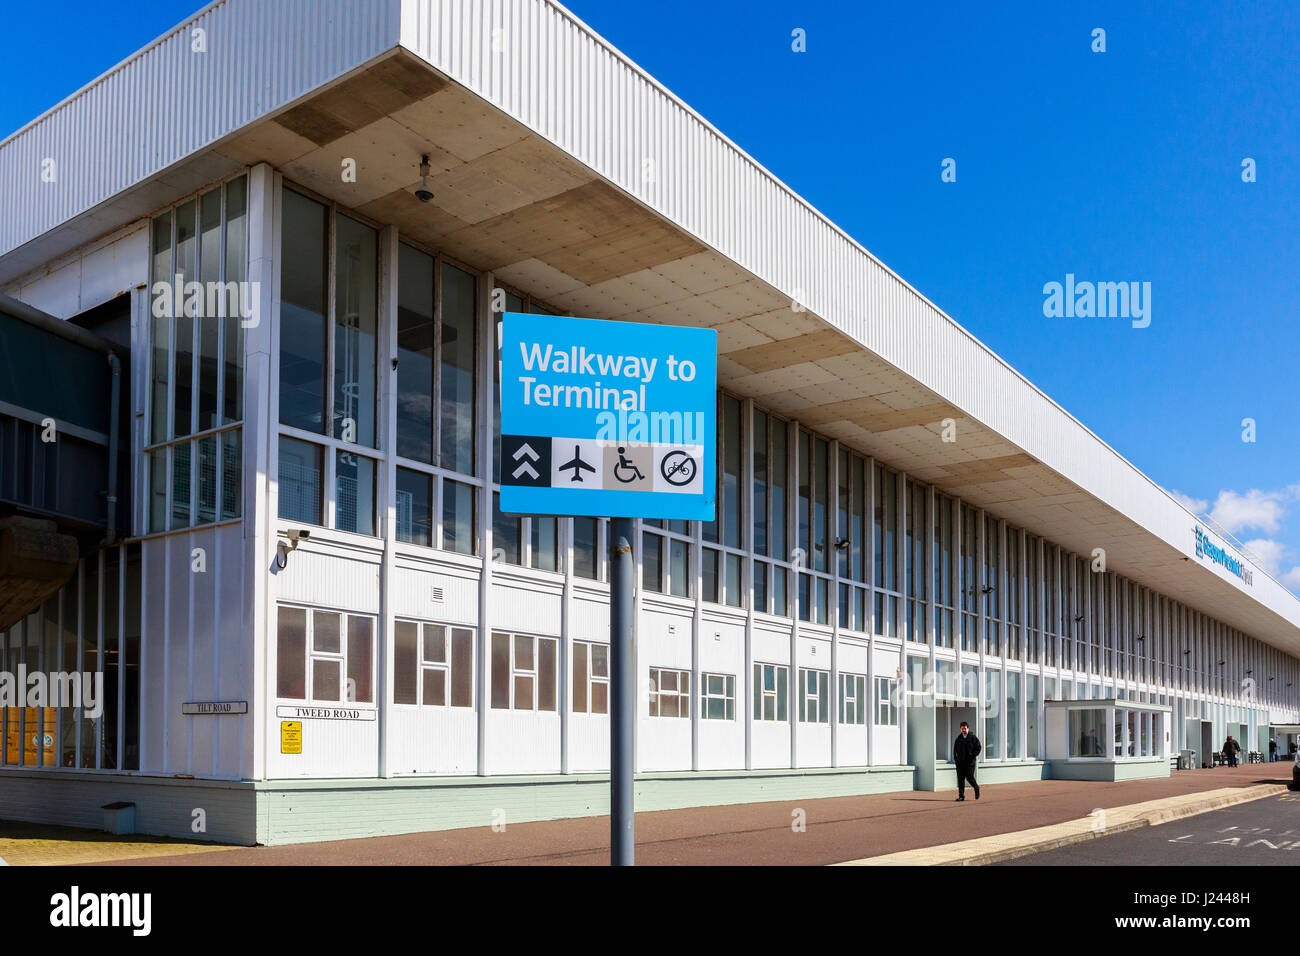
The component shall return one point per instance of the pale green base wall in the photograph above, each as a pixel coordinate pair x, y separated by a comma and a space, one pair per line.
945, 774
164, 806
308, 811
317, 810
1111, 770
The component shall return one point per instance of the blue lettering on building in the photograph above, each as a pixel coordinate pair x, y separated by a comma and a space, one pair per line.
1206, 548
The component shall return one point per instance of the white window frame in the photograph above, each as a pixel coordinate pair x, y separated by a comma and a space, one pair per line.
814, 696
728, 696
682, 695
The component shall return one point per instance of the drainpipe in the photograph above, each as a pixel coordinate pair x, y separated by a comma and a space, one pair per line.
110, 530
73, 333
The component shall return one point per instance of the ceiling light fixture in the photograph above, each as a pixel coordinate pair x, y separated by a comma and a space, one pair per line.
424, 193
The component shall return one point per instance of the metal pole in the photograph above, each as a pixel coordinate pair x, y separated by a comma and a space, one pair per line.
622, 714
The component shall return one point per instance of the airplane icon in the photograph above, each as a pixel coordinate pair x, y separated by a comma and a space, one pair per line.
576, 465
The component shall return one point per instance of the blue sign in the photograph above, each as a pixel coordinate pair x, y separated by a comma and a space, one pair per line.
615, 419
1206, 548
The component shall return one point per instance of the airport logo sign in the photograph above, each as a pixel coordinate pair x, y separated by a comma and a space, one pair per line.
613, 419
1206, 548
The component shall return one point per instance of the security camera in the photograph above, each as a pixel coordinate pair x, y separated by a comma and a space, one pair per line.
297, 534
424, 193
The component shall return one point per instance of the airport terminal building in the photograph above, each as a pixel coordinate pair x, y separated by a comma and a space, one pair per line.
250, 465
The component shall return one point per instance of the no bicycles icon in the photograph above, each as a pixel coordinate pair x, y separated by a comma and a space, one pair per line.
678, 468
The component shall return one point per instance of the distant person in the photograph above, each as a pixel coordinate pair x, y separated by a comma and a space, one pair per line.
964, 751
1272, 751
1230, 750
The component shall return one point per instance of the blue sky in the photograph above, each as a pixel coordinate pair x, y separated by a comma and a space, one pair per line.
1115, 166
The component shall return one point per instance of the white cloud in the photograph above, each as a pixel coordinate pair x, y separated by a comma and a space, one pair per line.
1262, 510
1292, 579
1195, 505
1268, 554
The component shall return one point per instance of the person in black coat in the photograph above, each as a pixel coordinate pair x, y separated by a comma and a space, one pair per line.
964, 751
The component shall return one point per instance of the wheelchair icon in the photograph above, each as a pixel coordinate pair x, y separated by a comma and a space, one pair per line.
625, 465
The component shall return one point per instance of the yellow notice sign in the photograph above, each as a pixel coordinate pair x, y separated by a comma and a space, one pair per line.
291, 736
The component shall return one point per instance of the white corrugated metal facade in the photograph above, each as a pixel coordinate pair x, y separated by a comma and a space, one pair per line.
141, 138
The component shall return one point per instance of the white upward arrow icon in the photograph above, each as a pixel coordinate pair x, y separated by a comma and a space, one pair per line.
525, 451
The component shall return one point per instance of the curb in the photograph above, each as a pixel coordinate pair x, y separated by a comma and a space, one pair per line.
1153, 817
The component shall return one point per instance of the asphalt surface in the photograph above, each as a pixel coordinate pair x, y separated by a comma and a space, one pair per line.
834, 829
1260, 833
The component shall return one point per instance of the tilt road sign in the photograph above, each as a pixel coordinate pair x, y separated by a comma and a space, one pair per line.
607, 418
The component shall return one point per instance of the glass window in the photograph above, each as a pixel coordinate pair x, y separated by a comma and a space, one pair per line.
779, 464
544, 542
886, 702
324, 656
459, 517
507, 537
814, 696
590, 678
416, 340
718, 696
457, 370
354, 493
1087, 732
670, 693
414, 507
300, 481
198, 266
731, 472
186, 272
355, 277
523, 672
735, 593
679, 567
1031, 715
993, 710
771, 690
361, 647
303, 343
853, 699
586, 535
651, 561
1014, 750
760, 482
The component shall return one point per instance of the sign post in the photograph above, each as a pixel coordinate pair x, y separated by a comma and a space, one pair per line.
622, 672
614, 419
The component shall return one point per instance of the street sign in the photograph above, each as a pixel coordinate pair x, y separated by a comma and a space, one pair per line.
607, 418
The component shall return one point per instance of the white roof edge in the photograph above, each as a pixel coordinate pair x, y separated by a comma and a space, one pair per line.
115, 68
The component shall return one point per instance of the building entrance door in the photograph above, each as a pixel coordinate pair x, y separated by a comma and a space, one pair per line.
1207, 744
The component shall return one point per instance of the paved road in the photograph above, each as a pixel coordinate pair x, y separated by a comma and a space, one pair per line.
835, 829
1260, 833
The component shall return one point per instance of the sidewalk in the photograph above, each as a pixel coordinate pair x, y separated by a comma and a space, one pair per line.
838, 829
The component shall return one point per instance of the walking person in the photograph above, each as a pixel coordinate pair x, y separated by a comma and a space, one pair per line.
964, 751
1272, 750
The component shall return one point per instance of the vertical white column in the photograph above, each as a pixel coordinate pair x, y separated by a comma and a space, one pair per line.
487, 337
793, 464
900, 618
869, 563
386, 358
261, 412
833, 513
564, 528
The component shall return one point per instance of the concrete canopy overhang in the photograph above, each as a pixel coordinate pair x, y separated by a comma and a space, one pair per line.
554, 199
